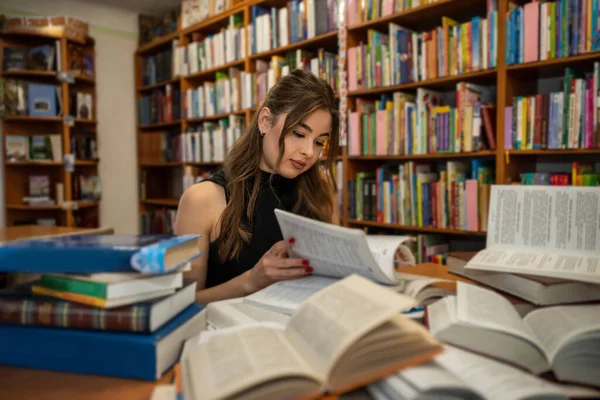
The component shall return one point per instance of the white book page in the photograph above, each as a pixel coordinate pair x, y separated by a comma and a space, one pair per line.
287, 296
555, 326
385, 248
411, 284
554, 265
557, 219
333, 251
482, 307
431, 376
324, 326
494, 380
228, 360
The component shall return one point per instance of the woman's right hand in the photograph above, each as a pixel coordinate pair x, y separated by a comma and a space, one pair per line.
275, 265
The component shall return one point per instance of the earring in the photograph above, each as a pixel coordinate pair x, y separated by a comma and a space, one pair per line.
262, 134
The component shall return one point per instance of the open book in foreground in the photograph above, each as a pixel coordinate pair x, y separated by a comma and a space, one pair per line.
551, 231
459, 374
347, 335
561, 339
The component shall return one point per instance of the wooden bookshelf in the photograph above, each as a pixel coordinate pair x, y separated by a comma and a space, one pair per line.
509, 81
69, 212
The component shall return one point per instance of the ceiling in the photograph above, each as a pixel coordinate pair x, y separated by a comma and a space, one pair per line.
148, 7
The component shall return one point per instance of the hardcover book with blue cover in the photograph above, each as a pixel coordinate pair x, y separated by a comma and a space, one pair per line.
99, 253
123, 355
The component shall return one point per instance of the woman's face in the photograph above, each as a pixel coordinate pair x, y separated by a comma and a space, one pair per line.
303, 144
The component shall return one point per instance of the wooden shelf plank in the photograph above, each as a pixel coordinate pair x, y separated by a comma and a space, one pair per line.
215, 117
215, 22
161, 164
551, 152
424, 17
320, 41
157, 43
27, 118
158, 85
563, 61
162, 202
87, 203
26, 207
160, 125
425, 229
443, 81
83, 163
29, 73
33, 163
85, 78
208, 73
435, 156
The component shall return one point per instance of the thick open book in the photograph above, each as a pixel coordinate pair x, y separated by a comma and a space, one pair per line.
551, 231
459, 374
347, 335
561, 339
539, 290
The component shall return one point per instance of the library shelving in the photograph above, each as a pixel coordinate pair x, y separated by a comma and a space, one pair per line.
430, 87
49, 129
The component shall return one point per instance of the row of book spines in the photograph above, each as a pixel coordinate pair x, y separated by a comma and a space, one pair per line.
211, 98
160, 106
448, 50
208, 145
440, 130
422, 200
222, 48
157, 221
548, 121
546, 30
158, 67
298, 20
559, 179
461, 206
65, 314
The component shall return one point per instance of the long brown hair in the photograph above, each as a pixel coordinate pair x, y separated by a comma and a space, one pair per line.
297, 94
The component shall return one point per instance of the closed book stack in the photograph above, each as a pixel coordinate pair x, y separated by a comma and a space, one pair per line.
128, 312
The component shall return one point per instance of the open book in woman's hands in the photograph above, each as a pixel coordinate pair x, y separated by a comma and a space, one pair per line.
347, 335
337, 252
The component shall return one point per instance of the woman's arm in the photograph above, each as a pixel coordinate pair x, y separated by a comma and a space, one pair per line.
199, 210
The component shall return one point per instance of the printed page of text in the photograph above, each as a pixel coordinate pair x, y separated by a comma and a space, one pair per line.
494, 380
227, 360
324, 326
555, 326
557, 219
332, 250
482, 307
583, 268
286, 296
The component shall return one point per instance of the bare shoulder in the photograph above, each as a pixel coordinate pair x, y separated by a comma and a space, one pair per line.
199, 208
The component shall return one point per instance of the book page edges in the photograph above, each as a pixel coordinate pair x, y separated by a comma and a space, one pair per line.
385, 373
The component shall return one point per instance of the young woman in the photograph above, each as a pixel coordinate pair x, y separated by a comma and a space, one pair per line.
275, 164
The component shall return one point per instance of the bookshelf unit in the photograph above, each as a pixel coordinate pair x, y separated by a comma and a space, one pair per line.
37, 167
508, 80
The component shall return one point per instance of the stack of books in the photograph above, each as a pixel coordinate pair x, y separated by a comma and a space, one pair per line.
113, 305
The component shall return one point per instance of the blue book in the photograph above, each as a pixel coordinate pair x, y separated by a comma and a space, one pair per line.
122, 355
99, 253
42, 100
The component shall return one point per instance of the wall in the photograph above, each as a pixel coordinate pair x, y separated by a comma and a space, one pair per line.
115, 32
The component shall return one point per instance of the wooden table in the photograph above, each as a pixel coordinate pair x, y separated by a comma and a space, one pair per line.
32, 231
30, 384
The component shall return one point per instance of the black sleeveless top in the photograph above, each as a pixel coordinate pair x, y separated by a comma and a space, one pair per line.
279, 193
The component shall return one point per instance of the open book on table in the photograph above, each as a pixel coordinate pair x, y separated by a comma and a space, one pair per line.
460, 374
561, 339
347, 335
551, 231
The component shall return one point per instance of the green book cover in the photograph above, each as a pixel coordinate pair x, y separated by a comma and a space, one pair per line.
64, 284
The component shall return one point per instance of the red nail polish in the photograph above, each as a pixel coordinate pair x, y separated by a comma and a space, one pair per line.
305, 262
292, 240
309, 269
